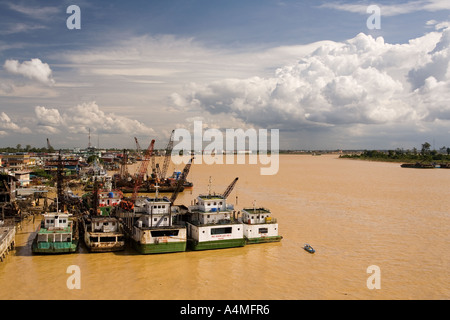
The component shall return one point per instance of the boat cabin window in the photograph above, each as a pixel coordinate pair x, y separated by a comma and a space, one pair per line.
225, 230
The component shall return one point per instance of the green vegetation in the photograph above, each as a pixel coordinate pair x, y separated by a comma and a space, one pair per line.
38, 172
425, 155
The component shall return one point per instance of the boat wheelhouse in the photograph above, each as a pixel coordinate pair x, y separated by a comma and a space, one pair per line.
156, 227
56, 234
212, 224
259, 226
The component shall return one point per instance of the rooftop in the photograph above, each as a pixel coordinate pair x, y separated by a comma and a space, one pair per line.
256, 210
211, 197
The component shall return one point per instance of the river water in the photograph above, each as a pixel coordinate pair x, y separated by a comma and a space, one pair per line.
356, 214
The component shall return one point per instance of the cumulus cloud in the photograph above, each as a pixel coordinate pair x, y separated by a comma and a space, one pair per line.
362, 81
34, 69
48, 117
83, 117
7, 125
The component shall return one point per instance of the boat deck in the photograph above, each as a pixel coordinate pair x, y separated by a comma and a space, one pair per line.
218, 223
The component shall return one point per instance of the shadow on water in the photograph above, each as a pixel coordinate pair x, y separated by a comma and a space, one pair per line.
25, 234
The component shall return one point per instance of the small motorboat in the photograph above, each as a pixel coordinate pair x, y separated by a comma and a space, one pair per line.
308, 248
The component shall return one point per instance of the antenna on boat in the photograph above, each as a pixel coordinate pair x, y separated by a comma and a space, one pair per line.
157, 191
209, 186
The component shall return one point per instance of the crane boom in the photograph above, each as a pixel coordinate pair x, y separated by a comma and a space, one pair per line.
167, 157
142, 169
138, 148
181, 181
230, 188
49, 146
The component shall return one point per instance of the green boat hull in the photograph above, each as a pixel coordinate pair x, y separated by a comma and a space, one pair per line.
54, 247
263, 240
169, 247
218, 244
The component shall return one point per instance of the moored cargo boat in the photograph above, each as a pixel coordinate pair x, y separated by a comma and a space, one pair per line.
57, 234
103, 233
212, 224
259, 226
418, 165
156, 227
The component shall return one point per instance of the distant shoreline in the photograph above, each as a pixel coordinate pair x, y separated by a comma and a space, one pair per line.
400, 157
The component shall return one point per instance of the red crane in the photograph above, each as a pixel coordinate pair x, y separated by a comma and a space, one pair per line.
142, 170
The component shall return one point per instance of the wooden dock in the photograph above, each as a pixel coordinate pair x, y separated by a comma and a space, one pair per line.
7, 239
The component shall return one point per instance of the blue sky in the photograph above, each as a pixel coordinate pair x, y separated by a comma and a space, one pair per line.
143, 68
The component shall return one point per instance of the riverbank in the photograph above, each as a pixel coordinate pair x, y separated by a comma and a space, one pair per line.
400, 157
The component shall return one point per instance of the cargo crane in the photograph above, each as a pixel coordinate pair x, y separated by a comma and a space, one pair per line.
139, 151
142, 170
138, 148
49, 146
230, 188
123, 173
167, 157
181, 181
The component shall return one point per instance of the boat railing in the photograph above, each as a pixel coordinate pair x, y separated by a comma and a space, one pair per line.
267, 220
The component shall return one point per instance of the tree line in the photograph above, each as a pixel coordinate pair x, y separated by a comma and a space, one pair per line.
425, 154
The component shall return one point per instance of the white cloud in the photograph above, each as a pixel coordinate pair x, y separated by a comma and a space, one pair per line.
362, 81
392, 9
83, 117
19, 28
173, 60
41, 13
7, 125
34, 69
48, 117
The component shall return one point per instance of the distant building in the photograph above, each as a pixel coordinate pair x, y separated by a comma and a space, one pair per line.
23, 177
16, 161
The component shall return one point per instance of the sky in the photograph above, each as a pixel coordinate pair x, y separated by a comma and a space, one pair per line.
321, 72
